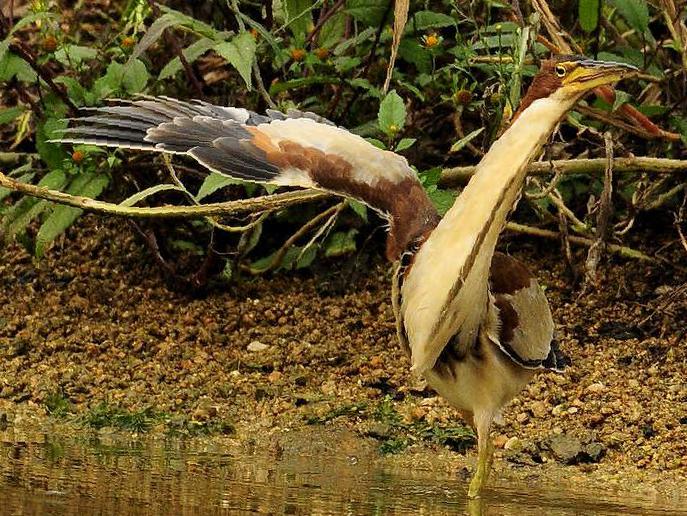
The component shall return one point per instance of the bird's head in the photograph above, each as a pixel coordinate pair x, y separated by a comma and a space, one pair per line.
568, 77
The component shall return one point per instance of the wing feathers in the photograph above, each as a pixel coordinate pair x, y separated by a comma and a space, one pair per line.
292, 149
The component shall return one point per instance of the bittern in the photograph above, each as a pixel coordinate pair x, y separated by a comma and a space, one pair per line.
475, 323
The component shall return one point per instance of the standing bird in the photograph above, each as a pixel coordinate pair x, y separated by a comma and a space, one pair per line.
473, 322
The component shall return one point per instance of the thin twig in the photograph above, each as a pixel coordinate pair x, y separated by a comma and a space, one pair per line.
176, 49
549, 188
19, 48
621, 250
211, 220
679, 219
259, 83
452, 177
602, 220
323, 19
303, 230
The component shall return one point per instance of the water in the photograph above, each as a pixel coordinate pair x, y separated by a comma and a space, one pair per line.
102, 475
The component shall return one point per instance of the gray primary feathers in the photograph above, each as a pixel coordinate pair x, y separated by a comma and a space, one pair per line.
215, 135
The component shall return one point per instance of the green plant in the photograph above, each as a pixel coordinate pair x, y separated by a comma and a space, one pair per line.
457, 81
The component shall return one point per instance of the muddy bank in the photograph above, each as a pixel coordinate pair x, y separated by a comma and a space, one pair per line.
90, 338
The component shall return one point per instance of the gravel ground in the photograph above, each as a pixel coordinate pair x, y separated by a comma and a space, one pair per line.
91, 337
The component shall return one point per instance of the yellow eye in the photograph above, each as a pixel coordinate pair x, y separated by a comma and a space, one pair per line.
560, 70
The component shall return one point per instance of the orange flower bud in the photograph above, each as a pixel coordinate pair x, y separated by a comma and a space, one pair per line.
298, 54
322, 53
50, 43
128, 42
463, 97
254, 33
431, 40
78, 156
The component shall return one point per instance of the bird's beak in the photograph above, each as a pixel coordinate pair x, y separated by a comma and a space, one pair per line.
589, 74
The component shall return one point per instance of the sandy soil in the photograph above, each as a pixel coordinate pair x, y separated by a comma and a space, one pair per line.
91, 337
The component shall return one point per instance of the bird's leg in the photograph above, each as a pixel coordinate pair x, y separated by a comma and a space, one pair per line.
485, 457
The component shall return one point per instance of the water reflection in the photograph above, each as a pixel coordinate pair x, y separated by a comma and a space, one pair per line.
50, 475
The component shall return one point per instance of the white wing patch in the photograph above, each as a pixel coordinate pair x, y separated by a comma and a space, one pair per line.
368, 163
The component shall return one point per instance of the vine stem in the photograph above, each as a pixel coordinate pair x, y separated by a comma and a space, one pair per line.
267, 202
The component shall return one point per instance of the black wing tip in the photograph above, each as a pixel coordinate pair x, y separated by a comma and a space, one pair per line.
556, 360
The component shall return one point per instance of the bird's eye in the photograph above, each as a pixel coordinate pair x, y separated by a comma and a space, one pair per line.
560, 70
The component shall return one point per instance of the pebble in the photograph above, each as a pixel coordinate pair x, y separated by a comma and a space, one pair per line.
565, 448
513, 443
256, 346
595, 388
522, 417
500, 441
274, 376
540, 409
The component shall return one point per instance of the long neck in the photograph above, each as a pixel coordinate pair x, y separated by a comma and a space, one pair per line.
446, 288
481, 210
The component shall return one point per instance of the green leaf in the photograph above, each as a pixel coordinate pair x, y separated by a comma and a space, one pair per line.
298, 17
306, 256
86, 185
423, 20
214, 182
194, 24
680, 123
353, 42
53, 154
26, 209
10, 114
33, 17
621, 98
263, 32
498, 41
466, 139
191, 53
74, 54
302, 82
240, 53
359, 208
75, 90
442, 199
135, 77
171, 18
26, 20
369, 12
377, 143
430, 177
12, 66
588, 11
404, 144
635, 12
392, 114
332, 31
154, 32
249, 239
144, 194
340, 243
412, 52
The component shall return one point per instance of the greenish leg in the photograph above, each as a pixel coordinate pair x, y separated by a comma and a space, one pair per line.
485, 459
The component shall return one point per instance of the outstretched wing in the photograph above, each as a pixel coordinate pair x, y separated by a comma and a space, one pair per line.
295, 149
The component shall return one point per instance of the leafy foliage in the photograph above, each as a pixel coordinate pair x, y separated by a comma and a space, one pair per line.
457, 81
